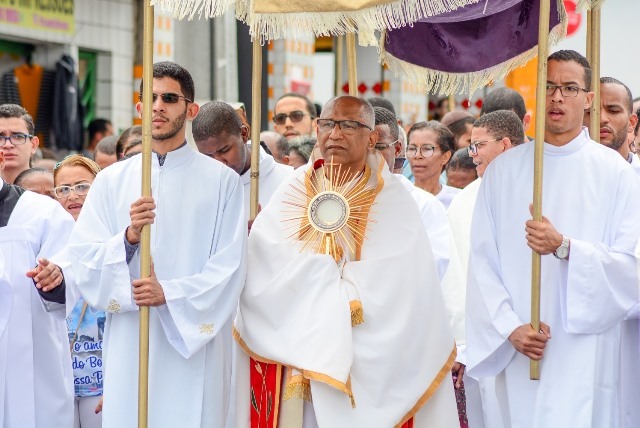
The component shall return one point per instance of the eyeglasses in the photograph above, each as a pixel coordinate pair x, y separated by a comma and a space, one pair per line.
16, 139
295, 116
425, 151
383, 146
565, 91
168, 98
473, 147
80, 189
346, 126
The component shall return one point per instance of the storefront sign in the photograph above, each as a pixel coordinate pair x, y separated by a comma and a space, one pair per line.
45, 15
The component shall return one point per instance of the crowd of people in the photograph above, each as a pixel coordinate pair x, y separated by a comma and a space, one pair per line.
403, 302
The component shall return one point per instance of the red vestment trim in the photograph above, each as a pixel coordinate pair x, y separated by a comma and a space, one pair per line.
408, 424
265, 379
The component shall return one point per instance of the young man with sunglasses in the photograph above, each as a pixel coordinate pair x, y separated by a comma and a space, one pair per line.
294, 116
589, 281
357, 334
198, 237
36, 382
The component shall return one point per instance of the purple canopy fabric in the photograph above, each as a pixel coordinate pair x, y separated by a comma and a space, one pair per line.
466, 49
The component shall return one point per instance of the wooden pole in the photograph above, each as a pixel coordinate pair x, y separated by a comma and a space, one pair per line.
541, 96
339, 64
589, 27
256, 91
452, 102
594, 61
145, 238
351, 64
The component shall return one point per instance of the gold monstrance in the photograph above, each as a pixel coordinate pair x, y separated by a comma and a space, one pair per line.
328, 213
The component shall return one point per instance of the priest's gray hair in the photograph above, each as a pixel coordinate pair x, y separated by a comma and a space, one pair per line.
214, 119
502, 123
368, 115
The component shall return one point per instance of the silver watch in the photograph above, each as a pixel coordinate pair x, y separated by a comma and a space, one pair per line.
562, 252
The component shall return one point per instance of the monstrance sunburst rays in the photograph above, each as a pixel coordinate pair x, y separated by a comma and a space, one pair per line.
328, 211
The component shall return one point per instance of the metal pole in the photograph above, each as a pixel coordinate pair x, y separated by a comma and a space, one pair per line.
256, 88
351, 63
145, 238
594, 61
541, 96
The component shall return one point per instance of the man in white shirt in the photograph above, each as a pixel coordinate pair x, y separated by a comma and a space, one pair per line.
589, 279
36, 382
356, 334
219, 134
294, 115
198, 237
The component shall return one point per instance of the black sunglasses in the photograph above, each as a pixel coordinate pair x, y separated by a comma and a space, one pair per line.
295, 116
168, 98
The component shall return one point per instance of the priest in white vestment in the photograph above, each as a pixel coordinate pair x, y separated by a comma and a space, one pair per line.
219, 133
358, 333
589, 282
198, 237
36, 382
617, 122
492, 134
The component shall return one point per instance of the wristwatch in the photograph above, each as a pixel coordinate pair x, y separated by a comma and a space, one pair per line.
562, 252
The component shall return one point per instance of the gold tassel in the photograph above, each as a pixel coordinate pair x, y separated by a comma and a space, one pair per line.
298, 390
357, 313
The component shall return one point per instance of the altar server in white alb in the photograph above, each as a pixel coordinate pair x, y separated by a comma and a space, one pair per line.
351, 335
36, 383
589, 280
198, 236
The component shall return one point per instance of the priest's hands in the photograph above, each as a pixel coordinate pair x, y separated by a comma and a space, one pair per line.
141, 214
529, 342
458, 373
148, 291
542, 237
46, 275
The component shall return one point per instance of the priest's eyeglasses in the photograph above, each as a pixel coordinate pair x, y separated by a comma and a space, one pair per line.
473, 147
565, 91
426, 151
17, 139
346, 126
295, 116
80, 189
168, 98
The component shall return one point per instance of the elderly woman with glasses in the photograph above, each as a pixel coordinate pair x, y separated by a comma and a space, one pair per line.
72, 179
429, 149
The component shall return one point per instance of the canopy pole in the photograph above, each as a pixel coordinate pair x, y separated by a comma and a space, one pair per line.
145, 236
351, 64
594, 32
339, 64
256, 88
452, 101
541, 96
